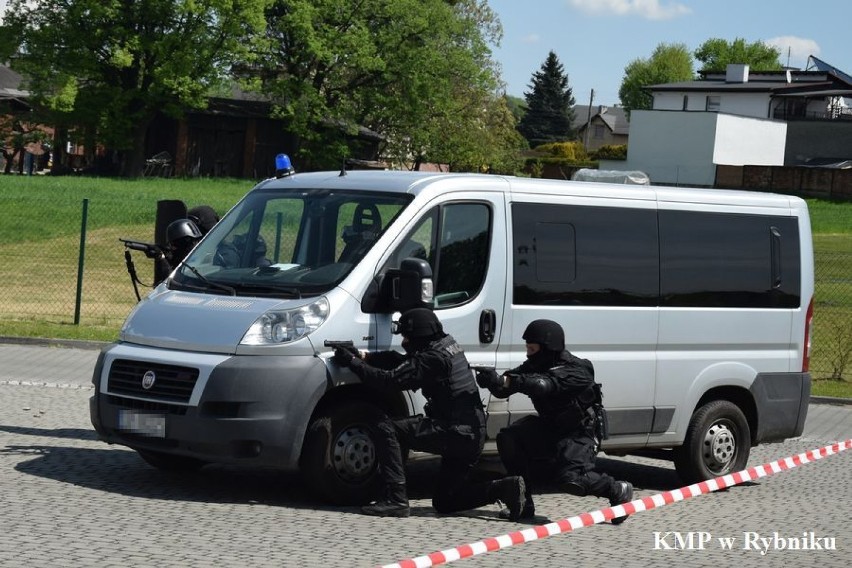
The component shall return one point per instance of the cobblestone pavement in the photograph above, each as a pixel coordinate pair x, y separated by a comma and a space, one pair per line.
69, 500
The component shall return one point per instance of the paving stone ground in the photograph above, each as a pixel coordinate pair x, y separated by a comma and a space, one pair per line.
69, 500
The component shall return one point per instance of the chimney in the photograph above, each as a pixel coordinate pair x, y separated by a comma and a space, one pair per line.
736, 73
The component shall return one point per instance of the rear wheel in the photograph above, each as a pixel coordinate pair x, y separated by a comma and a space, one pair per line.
170, 462
338, 459
717, 443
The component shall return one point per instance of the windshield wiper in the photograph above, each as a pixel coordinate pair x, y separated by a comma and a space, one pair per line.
210, 283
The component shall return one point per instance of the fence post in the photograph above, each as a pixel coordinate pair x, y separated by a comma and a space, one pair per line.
80, 262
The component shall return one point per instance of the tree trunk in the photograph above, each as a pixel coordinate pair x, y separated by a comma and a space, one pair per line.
133, 160
60, 157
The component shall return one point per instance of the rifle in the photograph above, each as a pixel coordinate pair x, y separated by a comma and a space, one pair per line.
150, 250
155, 252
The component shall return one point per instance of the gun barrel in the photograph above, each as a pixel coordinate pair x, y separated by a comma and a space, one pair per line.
335, 344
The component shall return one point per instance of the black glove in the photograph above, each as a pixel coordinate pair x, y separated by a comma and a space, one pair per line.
344, 355
488, 379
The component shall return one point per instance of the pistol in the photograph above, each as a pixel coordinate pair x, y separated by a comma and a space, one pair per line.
348, 344
477, 368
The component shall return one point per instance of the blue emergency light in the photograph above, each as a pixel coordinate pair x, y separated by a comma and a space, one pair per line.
283, 167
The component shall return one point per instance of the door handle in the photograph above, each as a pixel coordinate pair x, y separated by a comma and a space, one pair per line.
487, 326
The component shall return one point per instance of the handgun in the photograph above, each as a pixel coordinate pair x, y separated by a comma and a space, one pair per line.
348, 344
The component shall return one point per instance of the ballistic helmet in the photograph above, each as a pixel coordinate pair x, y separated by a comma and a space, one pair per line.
181, 229
546, 333
204, 217
419, 323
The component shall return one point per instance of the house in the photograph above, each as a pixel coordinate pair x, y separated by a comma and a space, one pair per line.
20, 146
234, 136
600, 125
741, 118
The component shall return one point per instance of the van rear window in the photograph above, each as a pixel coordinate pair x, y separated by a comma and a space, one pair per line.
618, 256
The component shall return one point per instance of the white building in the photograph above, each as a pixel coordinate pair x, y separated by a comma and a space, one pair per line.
739, 118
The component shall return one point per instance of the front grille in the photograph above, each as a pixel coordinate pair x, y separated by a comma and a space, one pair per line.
172, 383
147, 405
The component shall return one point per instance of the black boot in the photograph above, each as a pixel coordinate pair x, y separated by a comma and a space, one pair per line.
622, 493
527, 511
510, 491
395, 503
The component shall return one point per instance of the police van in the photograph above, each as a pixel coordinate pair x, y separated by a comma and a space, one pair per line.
693, 304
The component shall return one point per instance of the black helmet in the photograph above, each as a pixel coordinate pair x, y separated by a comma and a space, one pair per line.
181, 229
546, 333
204, 217
419, 323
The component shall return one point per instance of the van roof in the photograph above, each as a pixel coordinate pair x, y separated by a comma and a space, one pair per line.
416, 182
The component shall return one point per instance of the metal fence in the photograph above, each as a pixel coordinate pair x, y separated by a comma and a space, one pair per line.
83, 280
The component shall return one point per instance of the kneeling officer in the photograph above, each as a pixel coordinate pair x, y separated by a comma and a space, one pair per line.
454, 425
569, 426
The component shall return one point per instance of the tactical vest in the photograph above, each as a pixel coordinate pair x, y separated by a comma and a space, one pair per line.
454, 398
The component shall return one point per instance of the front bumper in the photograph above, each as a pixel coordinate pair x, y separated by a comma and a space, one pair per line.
237, 409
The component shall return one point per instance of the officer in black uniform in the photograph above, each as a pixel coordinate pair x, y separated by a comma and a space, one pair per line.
454, 425
570, 423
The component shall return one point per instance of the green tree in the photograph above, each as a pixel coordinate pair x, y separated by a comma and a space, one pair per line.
106, 67
715, 54
406, 69
669, 63
550, 105
518, 106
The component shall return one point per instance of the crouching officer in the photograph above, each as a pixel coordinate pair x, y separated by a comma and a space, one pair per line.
570, 423
454, 425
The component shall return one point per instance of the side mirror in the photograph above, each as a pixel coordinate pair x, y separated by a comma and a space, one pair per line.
400, 289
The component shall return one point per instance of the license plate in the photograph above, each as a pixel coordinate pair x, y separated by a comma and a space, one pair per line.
142, 423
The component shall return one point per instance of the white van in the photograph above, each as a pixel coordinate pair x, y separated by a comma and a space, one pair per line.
694, 306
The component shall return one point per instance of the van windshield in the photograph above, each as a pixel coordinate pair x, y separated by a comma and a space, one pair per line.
288, 243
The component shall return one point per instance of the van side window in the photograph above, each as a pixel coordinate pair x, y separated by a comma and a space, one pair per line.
729, 260
455, 239
462, 258
573, 255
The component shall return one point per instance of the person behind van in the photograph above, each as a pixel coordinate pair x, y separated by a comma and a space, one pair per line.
204, 217
454, 425
568, 402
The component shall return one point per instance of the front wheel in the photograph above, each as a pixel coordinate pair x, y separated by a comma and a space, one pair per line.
338, 459
717, 443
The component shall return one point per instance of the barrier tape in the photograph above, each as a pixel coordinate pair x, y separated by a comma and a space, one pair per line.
635, 506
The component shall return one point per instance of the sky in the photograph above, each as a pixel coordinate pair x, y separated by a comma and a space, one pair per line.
596, 39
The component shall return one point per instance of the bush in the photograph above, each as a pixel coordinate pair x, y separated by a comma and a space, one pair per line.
569, 151
610, 152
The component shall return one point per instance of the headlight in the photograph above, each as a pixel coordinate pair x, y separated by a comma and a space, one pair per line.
283, 326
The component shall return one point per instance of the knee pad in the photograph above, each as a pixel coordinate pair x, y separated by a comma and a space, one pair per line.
574, 486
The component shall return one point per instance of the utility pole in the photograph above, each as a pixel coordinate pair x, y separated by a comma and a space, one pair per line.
588, 121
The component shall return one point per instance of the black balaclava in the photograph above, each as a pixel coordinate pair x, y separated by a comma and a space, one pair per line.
549, 335
419, 327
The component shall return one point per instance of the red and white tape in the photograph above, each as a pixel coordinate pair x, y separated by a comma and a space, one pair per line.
635, 506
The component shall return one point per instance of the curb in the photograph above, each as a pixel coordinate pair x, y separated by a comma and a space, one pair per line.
66, 343
830, 400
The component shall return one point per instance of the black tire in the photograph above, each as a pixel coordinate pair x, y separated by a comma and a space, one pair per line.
338, 459
718, 442
170, 462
